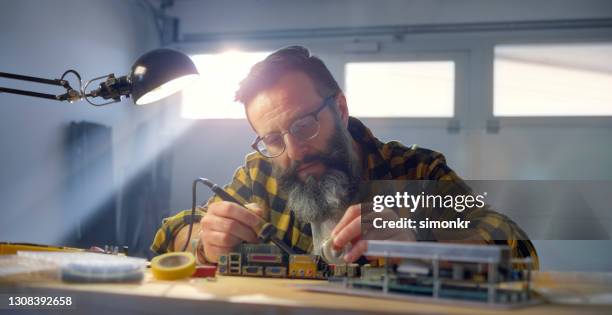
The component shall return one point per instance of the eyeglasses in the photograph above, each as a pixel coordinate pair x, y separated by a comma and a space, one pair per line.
304, 129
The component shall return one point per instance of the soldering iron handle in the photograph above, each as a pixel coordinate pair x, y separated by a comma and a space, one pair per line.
219, 191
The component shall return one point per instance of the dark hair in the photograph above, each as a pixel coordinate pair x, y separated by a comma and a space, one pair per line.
267, 72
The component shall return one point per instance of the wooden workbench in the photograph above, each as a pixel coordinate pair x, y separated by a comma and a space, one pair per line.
244, 295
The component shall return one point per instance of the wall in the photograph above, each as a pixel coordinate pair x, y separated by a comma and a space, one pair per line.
212, 16
45, 38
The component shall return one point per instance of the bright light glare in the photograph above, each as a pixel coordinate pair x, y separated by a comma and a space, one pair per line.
167, 89
212, 96
401, 89
534, 89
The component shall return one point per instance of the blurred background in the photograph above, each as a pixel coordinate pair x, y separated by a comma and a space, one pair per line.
507, 90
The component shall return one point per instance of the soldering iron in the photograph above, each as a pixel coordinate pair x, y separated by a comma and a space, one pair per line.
266, 231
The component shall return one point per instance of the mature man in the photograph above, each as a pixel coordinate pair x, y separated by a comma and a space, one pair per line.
310, 155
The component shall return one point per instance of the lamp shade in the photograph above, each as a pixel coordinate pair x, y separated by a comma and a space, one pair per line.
160, 73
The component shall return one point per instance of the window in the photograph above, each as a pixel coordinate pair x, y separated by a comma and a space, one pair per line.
212, 96
553, 80
401, 89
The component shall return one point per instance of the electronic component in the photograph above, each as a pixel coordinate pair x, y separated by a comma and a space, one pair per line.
425, 271
267, 260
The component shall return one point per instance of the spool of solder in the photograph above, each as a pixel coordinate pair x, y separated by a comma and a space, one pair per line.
331, 255
173, 266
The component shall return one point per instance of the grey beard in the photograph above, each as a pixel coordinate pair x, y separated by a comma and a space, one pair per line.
319, 200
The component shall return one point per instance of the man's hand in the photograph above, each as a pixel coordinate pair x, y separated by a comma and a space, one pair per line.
225, 225
348, 230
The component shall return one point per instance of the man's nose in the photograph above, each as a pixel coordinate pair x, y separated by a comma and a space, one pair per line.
296, 148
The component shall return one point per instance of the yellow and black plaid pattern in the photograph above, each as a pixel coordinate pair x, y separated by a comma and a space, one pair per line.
254, 183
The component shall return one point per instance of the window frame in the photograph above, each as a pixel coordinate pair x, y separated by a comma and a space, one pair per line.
401, 54
474, 68
411, 60
583, 36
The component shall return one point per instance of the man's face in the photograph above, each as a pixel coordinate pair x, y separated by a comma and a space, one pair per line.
318, 174
275, 109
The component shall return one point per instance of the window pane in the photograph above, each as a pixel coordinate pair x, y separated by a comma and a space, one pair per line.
553, 80
213, 95
401, 89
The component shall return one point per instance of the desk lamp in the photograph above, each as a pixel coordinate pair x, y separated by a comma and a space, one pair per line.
155, 75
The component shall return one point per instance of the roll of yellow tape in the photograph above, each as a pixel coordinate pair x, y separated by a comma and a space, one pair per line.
172, 266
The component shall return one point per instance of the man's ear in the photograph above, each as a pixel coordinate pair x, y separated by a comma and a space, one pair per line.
342, 108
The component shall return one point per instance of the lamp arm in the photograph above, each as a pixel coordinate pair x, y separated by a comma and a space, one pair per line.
20, 77
29, 93
70, 95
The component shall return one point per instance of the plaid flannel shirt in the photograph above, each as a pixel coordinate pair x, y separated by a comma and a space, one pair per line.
254, 183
